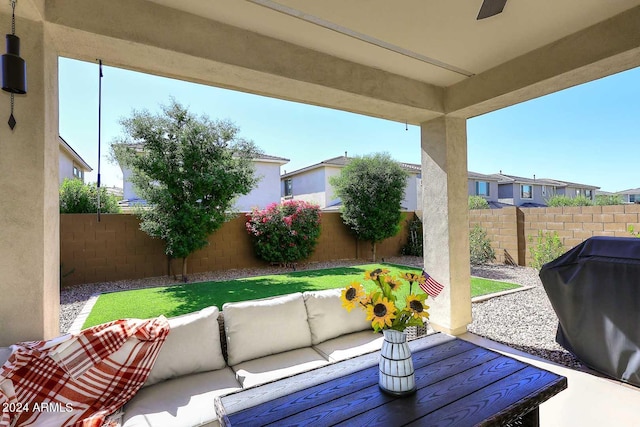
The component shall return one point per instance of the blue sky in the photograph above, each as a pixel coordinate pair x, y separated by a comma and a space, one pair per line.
587, 134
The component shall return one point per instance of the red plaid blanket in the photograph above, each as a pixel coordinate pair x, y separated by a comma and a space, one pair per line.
77, 380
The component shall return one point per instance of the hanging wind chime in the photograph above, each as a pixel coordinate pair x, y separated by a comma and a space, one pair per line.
99, 128
14, 69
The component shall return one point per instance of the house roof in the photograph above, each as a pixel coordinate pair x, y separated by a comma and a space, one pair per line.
69, 150
139, 146
512, 179
629, 191
341, 161
481, 176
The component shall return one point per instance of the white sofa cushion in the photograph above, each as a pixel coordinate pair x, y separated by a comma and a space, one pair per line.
181, 402
277, 366
267, 326
5, 352
328, 319
192, 346
350, 345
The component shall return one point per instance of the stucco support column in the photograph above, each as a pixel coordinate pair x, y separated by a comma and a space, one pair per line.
29, 213
446, 221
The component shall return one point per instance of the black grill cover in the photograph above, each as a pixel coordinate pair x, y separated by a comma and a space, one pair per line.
595, 290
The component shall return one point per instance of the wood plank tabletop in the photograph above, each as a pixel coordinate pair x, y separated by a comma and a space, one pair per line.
459, 384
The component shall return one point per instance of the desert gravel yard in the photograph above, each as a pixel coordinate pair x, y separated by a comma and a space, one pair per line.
523, 320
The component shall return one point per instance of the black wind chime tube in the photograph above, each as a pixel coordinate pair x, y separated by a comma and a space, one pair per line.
99, 128
13, 67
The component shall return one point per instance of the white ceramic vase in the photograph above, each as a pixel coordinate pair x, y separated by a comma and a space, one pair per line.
396, 365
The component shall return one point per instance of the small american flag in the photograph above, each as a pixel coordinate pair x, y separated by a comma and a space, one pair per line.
430, 286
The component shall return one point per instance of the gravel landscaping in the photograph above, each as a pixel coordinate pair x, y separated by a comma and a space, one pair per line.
523, 320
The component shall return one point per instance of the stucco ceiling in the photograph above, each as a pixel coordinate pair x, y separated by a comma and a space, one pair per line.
409, 60
412, 33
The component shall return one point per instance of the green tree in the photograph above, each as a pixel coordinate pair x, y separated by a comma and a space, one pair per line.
78, 197
371, 189
189, 170
478, 202
546, 248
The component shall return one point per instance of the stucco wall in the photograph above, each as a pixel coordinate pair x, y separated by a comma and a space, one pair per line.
266, 191
116, 249
65, 167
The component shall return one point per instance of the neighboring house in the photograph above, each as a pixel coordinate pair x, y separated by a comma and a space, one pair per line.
534, 192
311, 184
485, 186
267, 190
630, 196
71, 165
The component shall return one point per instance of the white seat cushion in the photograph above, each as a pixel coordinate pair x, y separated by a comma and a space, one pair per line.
328, 319
262, 327
277, 366
192, 346
181, 402
351, 345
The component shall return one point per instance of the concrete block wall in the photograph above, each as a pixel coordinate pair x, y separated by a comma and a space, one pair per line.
504, 228
116, 249
574, 225
511, 228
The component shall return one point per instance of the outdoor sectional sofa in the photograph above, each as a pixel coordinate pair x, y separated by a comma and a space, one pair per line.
209, 354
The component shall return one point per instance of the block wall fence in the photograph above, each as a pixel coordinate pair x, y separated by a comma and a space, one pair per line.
509, 229
116, 249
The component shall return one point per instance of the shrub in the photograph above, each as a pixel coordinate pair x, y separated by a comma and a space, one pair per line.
285, 233
610, 199
481, 251
78, 197
558, 201
478, 202
547, 248
414, 242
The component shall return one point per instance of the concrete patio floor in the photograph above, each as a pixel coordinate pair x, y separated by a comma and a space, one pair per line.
589, 400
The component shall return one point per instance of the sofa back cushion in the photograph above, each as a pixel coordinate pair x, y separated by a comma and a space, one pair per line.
5, 352
193, 346
328, 319
267, 326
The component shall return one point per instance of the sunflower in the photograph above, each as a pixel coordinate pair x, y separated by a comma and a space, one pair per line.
351, 295
412, 277
382, 313
393, 282
373, 275
415, 304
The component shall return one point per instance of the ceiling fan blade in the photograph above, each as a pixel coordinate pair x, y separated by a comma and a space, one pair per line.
490, 8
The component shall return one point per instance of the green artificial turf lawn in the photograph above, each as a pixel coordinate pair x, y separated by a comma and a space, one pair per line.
180, 299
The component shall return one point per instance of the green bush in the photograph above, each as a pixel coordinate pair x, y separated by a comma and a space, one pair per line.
610, 199
414, 242
285, 233
547, 248
78, 197
478, 202
558, 201
480, 248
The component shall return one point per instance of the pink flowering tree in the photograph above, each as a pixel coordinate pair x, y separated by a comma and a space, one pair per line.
285, 233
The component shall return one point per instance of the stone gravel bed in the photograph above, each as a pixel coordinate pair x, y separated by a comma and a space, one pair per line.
522, 320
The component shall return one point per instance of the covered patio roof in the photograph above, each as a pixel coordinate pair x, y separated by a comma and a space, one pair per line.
426, 63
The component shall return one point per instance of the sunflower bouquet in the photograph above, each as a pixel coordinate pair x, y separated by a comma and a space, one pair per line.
382, 305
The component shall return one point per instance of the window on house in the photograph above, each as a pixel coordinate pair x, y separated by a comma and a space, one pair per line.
578, 192
288, 187
634, 198
77, 173
482, 188
526, 192
588, 194
544, 191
